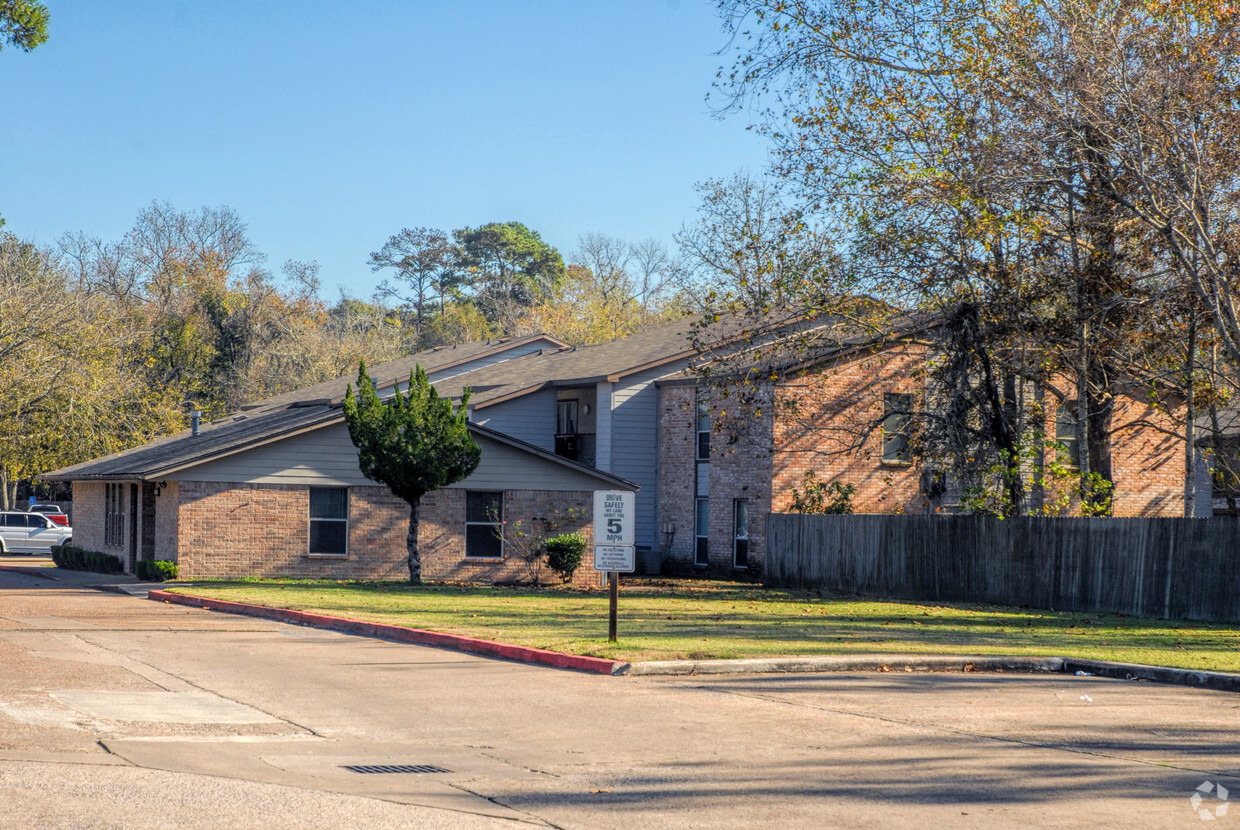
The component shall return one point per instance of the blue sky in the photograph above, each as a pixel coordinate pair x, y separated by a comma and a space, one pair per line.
329, 126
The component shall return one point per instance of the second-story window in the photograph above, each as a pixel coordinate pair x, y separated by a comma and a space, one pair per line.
1065, 432
897, 424
703, 431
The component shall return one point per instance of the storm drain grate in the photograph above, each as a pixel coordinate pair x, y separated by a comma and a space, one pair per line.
407, 768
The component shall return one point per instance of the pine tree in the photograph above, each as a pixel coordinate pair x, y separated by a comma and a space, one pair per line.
414, 443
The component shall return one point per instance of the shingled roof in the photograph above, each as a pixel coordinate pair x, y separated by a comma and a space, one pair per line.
160, 458
289, 414
385, 375
575, 366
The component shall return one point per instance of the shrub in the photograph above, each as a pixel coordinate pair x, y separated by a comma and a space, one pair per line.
822, 497
157, 570
564, 554
73, 558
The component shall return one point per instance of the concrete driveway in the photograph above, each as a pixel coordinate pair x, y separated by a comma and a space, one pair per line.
116, 711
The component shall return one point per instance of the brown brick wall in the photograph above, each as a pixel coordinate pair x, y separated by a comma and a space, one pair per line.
231, 530
167, 503
1147, 458
741, 470
677, 468
821, 424
1147, 464
441, 535
88, 515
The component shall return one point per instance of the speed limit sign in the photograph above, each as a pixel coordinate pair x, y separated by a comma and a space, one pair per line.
614, 517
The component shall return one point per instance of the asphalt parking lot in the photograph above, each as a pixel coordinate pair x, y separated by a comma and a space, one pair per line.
116, 711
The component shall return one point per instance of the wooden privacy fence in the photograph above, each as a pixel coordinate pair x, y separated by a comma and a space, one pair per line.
1173, 568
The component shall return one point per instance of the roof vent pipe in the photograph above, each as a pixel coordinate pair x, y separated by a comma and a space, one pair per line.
195, 422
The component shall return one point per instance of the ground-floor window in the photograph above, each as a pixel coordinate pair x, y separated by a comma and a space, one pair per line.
701, 532
484, 525
740, 533
114, 515
329, 521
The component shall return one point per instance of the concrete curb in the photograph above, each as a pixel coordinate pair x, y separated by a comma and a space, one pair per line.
1217, 681
892, 663
417, 636
41, 573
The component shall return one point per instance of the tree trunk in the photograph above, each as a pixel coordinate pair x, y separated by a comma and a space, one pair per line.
411, 544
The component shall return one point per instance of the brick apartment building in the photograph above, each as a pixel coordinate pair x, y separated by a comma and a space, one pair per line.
252, 493
832, 418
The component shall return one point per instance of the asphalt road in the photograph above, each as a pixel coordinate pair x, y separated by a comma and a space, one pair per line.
116, 711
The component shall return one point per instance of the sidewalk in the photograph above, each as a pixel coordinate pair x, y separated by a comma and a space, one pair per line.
41, 567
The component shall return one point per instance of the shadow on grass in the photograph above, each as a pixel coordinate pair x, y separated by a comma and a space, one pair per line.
702, 619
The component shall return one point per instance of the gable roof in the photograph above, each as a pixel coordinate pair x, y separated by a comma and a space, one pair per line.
164, 457
662, 346
434, 361
303, 410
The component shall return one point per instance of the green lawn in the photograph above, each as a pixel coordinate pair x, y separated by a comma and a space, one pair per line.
662, 619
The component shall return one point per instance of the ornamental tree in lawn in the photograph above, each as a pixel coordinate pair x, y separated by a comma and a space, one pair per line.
413, 443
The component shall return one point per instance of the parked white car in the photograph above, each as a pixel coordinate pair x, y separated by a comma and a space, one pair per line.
30, 533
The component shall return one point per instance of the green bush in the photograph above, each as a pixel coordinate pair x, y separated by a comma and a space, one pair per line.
822, 497
564, 554
73, 558
157, 570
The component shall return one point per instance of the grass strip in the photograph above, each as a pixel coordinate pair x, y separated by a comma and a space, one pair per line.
675, 620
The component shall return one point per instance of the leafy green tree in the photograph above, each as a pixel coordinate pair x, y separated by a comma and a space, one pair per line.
67, 392
428, 272
23, 24
414, 444
512, 268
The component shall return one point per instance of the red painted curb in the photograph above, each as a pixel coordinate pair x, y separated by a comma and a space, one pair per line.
400, 634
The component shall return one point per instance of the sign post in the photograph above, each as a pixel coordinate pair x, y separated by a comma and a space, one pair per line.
614, 551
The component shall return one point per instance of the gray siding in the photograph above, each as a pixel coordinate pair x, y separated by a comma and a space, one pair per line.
530, 418
602, 426
508, 468
635, 445
327, 456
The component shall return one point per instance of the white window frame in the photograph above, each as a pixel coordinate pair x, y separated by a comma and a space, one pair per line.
740, 507
701, 540
701, 428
